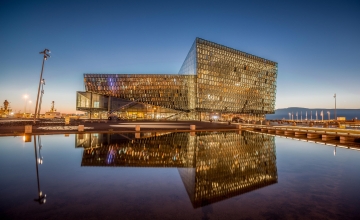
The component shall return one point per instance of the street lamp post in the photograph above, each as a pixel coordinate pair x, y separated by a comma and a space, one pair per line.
42, 93
335, 107
46, 56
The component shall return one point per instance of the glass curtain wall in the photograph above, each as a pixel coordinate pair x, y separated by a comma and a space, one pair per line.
168, 91
231, 81
95, 105
124, 109
214, 79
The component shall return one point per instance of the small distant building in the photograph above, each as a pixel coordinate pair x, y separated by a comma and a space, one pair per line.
5, 111
53, 113
341, 118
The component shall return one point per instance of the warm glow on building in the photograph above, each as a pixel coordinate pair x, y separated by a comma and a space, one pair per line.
212, 79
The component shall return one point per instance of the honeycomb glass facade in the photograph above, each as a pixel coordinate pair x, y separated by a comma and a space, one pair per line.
212, 79
229, 80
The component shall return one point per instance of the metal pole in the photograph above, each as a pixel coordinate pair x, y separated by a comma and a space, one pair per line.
37, 98
42, 93
335, 106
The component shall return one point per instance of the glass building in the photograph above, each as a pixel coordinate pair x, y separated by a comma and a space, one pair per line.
214, 82
213, 166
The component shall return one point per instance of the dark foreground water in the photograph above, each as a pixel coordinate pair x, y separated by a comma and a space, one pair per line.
216, 175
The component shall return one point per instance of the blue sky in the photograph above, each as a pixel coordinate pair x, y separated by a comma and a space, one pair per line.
316, 44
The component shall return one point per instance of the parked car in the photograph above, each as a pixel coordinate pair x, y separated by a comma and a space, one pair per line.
237, 119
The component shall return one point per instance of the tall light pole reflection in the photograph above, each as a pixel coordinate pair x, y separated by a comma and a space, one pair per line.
46, 56
41, 197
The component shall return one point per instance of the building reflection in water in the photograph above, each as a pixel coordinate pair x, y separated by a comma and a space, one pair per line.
213, 165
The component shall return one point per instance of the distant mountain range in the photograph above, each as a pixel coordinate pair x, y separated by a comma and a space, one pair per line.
284, 113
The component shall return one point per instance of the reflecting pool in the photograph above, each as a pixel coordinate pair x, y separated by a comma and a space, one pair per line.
202, 175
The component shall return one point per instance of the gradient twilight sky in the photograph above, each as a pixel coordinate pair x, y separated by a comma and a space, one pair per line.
316, 44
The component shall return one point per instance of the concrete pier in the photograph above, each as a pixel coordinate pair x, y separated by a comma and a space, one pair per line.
326, 137
272, 131
313, 135
300, 134
325, 134
344, 139
81, 128
289, 132
279, 132
28, 129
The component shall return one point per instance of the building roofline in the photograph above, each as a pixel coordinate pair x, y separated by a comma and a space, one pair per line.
198, 40
122, 74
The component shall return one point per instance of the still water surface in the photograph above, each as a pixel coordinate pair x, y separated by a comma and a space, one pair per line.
214, 175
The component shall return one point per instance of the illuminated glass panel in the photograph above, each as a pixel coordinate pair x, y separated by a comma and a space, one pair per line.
229, 80
213, 78
189, 65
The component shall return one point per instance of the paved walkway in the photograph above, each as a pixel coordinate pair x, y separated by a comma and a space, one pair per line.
114, 126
